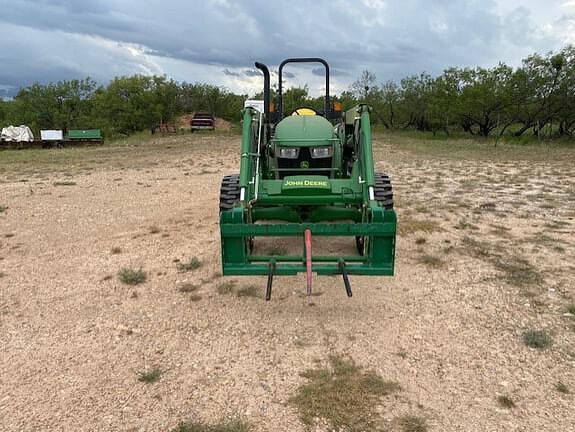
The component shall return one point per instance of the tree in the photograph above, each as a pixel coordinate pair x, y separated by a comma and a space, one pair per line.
537, 96
347, 100
63, 105
443, 101
415, 100
296, 97
535, 91
130, 104
364, 86
566, 94
485, 99
3, 111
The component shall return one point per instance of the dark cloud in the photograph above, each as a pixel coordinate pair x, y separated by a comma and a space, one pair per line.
332, 72
230, 73
287, 74
252, 73
58, 39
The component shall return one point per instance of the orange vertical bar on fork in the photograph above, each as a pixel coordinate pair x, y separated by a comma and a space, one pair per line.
307, 235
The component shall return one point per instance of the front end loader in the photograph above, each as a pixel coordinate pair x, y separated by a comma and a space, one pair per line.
306, 174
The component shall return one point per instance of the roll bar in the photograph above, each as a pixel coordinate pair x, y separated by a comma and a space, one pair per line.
303, 60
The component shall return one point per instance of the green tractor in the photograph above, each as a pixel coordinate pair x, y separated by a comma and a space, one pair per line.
306, 174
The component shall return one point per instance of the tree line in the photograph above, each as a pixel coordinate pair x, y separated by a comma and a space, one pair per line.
124, 106
536, 97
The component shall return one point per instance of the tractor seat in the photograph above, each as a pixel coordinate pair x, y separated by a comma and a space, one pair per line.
304, 111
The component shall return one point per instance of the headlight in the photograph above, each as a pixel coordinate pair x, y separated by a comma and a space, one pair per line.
288, 152
321, 152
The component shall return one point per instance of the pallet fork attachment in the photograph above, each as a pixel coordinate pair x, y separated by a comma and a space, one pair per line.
307, 239
272, 267
341, 264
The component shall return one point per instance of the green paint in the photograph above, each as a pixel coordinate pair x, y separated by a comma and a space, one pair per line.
304, 131
84, 134
332, 204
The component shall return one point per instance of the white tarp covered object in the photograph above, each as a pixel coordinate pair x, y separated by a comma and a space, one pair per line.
17, 134
52, 135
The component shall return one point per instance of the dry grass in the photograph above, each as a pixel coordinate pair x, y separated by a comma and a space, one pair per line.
249, 291
539, 339
506, 401
343, 394
226, 287
235, 425
412, 423
518, 271
476, 248
116, 250
151, 376
515, 269
407, 225
468, 148
187, 287
464, 225
186, 266
430, 260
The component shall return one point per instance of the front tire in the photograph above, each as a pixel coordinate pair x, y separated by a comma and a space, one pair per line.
229, 192
230, 195
383, 193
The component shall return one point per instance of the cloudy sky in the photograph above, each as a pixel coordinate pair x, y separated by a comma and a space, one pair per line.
217, 41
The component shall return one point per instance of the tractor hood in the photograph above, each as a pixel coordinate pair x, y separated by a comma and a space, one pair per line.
304, 131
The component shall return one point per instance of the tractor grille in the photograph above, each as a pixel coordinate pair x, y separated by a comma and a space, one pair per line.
295, 164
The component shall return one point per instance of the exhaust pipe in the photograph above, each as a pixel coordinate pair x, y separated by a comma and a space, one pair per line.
266, 73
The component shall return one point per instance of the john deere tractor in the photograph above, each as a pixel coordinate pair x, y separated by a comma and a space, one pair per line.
306, 174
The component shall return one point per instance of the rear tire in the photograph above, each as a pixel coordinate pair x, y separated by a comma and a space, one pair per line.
229, 192
383, 193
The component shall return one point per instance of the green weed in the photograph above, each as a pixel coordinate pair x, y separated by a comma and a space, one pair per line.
131, 277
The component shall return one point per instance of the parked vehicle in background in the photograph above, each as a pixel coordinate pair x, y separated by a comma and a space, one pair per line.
202, 120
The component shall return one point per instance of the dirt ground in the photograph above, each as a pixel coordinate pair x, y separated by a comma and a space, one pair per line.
485, 253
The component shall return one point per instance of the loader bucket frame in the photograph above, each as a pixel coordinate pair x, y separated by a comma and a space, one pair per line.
237, 258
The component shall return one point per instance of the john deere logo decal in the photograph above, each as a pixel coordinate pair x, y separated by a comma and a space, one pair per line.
308, 183
304, 164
